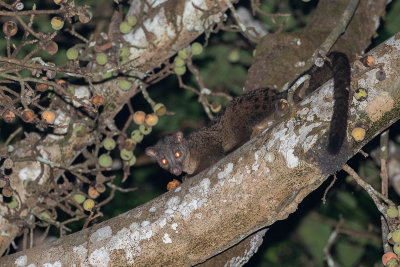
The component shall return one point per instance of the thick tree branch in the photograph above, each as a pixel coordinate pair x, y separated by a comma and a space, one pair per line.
258, 184
182, 21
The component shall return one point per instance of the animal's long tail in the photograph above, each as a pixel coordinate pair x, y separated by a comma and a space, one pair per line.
338, 128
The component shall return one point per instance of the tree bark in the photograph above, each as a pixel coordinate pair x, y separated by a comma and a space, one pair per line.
258, 184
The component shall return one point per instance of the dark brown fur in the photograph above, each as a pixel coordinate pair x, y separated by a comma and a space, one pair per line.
236, 123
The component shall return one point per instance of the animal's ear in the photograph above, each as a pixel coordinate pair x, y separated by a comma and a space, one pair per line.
151, 152
179, 136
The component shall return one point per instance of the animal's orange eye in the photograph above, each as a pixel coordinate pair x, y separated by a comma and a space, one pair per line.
164, 161
177, 154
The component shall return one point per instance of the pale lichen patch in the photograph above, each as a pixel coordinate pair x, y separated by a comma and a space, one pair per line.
83, 94
127, 240
21, 261
196, 199
193, 13
61, 122
285, 137
166, 239
152, 209
178, 189
80, 251
162, 222
226, 172
31, 172
307, 140
101, 234
99, 258
393, 42
172, 203
256, 165
255, 243
56, 264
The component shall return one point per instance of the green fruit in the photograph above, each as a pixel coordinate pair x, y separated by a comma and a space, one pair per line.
105, 161
126, 154
13, 203
179, 62
234, 56
124, 85
124, 51
71, 89
79, 198
124, 27
390, 238
72, 53
132, 161
197, 48
180, 70
109, 143
396, 249
137, 136
45, 215
396, 236
183, 53
145, 130
107, 75
80, 130
392, 212
101, 58
392, 263
57, 23
131, 20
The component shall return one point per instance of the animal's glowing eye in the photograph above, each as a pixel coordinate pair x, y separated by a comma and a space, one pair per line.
164, 161
177, 154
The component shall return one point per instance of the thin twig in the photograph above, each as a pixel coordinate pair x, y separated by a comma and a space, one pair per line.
369, 189
384, 145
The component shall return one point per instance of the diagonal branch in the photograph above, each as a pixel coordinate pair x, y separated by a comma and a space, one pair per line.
258, 184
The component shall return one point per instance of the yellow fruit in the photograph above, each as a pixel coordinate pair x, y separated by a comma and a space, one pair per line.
160, 109
48, 116
151, 119
88, 204
138, 117
10, 28
361, 94
57, 23
358, 134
